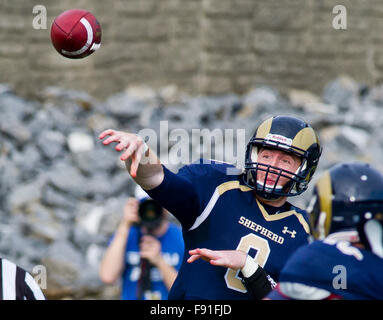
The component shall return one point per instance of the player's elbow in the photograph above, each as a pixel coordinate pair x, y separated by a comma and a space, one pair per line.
107, 277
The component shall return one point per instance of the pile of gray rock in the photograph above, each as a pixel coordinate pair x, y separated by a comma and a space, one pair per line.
62, 191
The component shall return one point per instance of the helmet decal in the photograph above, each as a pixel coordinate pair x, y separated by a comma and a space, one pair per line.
274, 139
264, 129
304, 139
324, 191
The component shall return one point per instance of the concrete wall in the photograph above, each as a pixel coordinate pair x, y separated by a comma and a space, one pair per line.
202, 46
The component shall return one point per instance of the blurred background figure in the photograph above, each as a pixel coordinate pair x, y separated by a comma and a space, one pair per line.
146, 251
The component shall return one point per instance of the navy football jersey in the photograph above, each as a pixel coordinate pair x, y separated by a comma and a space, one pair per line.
219, 212
333, 267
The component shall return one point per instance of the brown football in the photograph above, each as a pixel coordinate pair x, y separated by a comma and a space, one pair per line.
76, 33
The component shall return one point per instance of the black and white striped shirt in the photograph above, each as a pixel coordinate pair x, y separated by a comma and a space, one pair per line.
17, 284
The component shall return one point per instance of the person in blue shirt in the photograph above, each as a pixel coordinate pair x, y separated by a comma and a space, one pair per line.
224, 208
344, 259
146, 251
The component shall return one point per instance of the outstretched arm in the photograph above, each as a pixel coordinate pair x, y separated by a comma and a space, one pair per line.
224, 258
255, 279
141, 162
160, 183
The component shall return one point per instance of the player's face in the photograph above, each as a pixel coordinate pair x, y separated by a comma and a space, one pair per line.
278, 159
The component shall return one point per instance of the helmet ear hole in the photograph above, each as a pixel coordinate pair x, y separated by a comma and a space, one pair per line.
301, 186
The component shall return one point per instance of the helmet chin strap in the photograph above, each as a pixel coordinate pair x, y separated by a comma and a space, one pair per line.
270, 197
261, 183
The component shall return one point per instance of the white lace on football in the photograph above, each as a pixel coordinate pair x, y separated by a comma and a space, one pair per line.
89, 40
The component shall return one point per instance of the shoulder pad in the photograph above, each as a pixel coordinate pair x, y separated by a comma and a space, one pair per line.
211, 165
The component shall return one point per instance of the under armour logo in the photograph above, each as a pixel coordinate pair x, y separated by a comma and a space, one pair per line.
286, 230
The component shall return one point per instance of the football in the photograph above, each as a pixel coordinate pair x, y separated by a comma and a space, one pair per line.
76, 33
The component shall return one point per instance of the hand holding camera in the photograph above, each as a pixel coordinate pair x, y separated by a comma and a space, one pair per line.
150, 249
131, 216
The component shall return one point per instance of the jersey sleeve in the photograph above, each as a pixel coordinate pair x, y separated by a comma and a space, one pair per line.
178, 242
186, 193
308, 274
178, 195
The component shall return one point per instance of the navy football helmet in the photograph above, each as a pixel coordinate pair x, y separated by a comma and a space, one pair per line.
288, 134
347, 204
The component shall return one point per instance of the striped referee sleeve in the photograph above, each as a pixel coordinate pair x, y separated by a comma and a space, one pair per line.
17, 284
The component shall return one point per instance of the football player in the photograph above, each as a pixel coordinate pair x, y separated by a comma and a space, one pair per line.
345, 261
347, 219
221, 210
